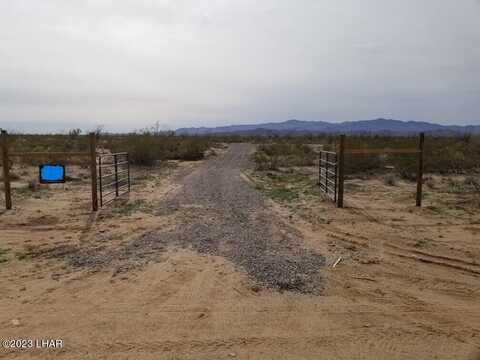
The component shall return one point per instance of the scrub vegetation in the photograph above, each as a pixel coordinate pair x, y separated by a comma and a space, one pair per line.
444, 155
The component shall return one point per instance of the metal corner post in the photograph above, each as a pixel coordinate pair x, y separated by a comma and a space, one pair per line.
341, 170
93, 169
421, 143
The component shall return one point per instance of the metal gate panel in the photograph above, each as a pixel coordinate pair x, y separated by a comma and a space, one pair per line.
327, 174
114, 176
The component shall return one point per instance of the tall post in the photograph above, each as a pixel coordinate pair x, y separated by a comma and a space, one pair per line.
93, 170
100, 185
420, 168
341, 170
6, 170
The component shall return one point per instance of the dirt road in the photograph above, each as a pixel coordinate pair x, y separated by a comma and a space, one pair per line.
225, 275
217, 213
221, 214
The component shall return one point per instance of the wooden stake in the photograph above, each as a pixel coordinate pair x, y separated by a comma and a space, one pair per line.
6, 175
341, 170
420, 168
93, 170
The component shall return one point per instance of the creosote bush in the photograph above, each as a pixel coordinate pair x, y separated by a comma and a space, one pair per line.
145, 148
443, 154
275, 155
148, 148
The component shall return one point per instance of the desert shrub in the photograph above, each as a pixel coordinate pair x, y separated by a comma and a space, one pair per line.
191, 149
456, 154
129, 207
74, 133
390, 179
468, 185
142, 152
360, 164
264, 161
443, 154
148, 148
282, 154
74, 141
145, 147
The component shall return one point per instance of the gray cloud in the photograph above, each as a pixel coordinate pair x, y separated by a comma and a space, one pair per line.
127, 64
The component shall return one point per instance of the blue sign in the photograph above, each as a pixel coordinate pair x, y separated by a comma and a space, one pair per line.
52, 173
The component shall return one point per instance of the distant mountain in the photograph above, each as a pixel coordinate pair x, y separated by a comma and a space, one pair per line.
299, 127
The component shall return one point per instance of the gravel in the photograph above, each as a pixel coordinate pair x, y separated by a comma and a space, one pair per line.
218, 213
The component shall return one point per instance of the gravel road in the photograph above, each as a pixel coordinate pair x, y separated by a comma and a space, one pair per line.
219, 213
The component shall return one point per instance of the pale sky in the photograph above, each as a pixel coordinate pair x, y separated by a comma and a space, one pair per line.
126, 64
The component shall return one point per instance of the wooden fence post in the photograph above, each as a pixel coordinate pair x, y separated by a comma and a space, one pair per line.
6, 175
420, 168
93, 170
100, 185
341, 170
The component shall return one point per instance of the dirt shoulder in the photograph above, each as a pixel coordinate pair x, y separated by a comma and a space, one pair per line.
417, 264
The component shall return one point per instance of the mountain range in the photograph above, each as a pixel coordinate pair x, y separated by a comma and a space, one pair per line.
301, 127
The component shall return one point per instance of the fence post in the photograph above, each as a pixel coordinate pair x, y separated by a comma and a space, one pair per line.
100, 185
6, 176
93, 170
420, 168
341, 169
116, 173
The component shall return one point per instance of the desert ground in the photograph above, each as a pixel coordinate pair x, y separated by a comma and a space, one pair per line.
198, 262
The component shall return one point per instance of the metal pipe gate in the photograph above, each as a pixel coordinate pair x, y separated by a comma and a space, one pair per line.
327, 174
114, 176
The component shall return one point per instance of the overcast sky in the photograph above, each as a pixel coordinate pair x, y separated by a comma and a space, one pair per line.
126, 64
